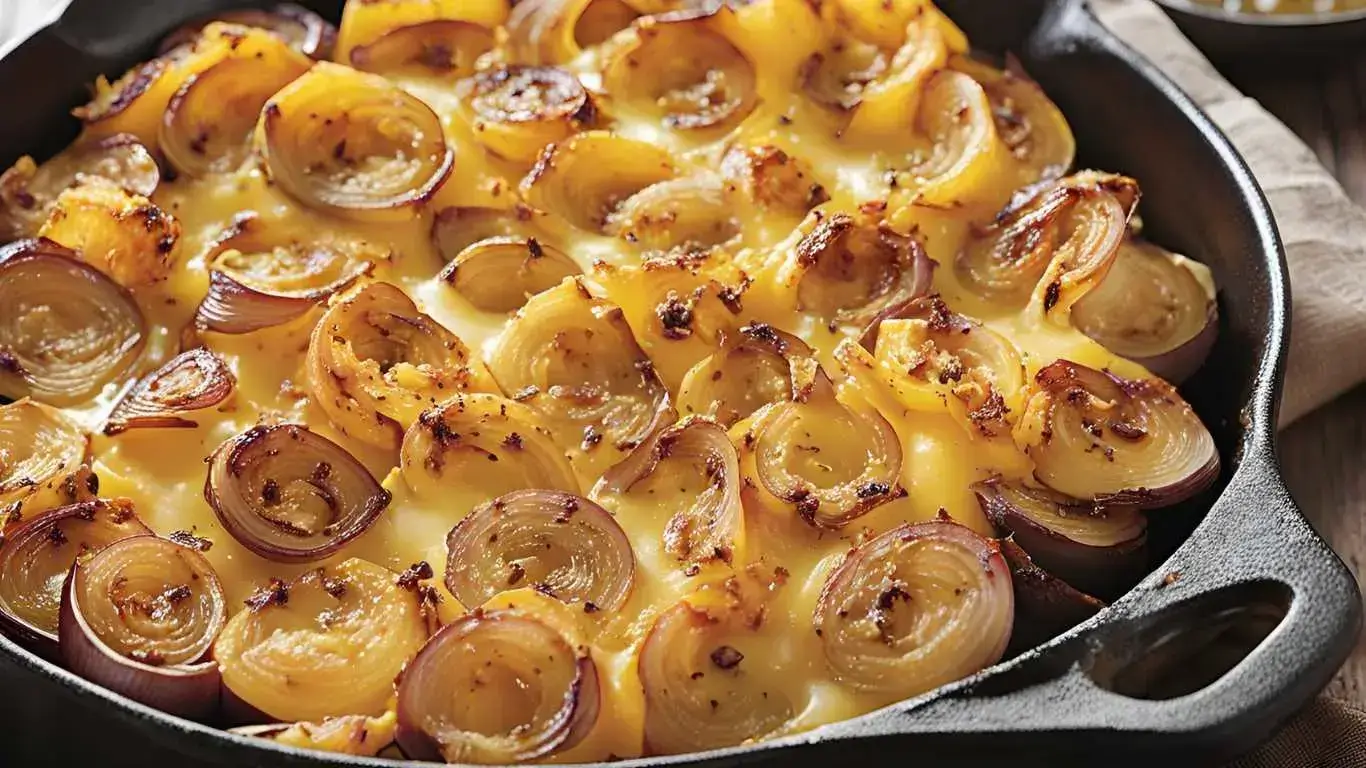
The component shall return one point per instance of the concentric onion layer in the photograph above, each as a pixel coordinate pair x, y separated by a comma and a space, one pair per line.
499, 274
353, 145
752, 368
138, 617
485, 441
688, 213
914, 608
328, 644
584, 178
517, 110
1154, 307
191, 382
698, 691
572, 359
264, 275
28, 190
955, 116
695, 459
682, 70
37, 554
1095, 436
497, 687
66, 329
291, 495
1092, 547
851, 271
375, 362
360, 735
556, 31
209, 121
974, 370
1027, 121
456, 228
441, 47
303, 30
832, 461
1053, 244
562, 544
44, 452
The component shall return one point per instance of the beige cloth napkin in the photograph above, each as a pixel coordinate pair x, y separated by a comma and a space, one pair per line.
1324, 231
1325, 241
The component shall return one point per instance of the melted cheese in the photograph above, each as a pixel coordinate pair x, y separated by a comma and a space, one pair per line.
162, 470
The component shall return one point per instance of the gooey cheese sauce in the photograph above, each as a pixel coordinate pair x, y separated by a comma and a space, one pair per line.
163, 470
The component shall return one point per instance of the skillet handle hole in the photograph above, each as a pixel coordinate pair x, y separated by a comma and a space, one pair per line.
1187, 647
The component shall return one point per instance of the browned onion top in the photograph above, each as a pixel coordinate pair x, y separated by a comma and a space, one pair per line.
304, 30
290, 494
192, 381
561, 543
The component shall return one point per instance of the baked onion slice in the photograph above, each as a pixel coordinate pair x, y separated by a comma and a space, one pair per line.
66, 329
696, 457
1092, 547
487, 441
772, 179
36, 556
1055, 243
209, 121
191, 382
836, 77
698, 693
1045, 605
974, 371
365, 23
562, 544
752, 368
849, 271
291, 495
353, 144
28, 190
125, 236
681, 70
375, 362
456, 228
303, 30
42, 453
328, 644
557, 31
688, 214
1094, 435
441, 47
584, 178
264, 276
497, 687
1154, 307
572, 359
359, 735
516, 110
499, 274
832, 461
138, 617
965, 155
914, 608
1027, 121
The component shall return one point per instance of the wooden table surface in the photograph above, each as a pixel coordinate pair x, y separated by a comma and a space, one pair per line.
1324, 454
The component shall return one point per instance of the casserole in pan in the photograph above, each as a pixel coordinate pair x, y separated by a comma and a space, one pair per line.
1248, 573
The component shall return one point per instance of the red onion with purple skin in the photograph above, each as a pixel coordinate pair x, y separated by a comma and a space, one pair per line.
39, 551
1154, 307
1093, 435
563, 544
1045, 606
139, 618
191, 382
549, 702
914, 608
1095, 548
291, 495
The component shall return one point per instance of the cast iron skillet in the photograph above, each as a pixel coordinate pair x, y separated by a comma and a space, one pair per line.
1230, 36
1122, 687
